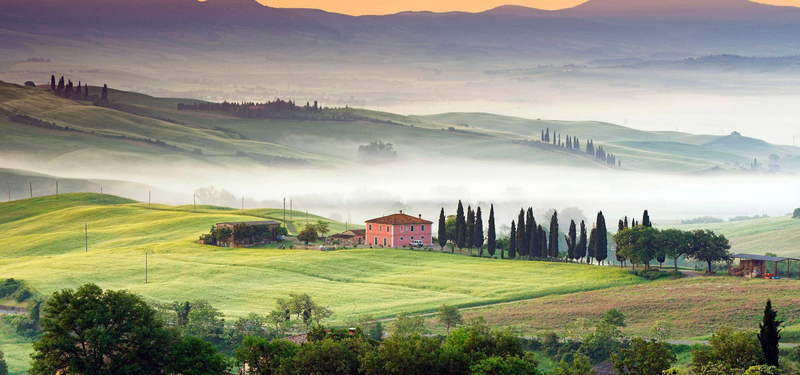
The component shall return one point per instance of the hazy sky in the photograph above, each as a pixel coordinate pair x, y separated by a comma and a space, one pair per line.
360, 7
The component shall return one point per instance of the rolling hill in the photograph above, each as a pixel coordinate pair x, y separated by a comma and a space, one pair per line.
778, 235
148, 131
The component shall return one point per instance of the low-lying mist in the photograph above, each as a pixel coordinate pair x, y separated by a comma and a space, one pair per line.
356, 193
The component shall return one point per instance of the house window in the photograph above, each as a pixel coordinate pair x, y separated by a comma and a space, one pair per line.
423, 237
370, 227
412, 237
380, 228
376, 240
384, 242
412, 228
422, 227
401, 229
401, 238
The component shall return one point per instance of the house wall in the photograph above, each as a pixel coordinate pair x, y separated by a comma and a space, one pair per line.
379, 235
403, 234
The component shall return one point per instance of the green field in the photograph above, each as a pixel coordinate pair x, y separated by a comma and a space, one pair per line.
97, 135
778, 235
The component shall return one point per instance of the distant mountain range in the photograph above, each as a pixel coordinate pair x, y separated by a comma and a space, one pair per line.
596, 29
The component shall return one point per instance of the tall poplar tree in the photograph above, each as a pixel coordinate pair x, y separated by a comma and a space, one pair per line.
512, 242
553, 253
572, 240
646, 220
601, 248
491, 236
522, 243
580, 250
442, 229
478, 240
461, 227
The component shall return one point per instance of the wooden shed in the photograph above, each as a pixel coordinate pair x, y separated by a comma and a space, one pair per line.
755, 266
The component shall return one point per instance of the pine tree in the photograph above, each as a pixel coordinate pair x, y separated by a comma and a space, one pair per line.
461, 227
512, 242
646, 220
580, 250
470, 229
104, 95
553, 253
478, 240
442, 229
572, 240
601, 248
770, 335
522, 237
491, 240
53, 83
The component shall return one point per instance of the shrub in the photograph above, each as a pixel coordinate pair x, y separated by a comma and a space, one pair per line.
796, 214
655, 274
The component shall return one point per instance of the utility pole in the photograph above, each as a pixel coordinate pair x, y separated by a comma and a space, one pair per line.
149, 198
194, 202
242, 205
284, 213
9, 192
306, 217
101, 195
291, 215
56, 189
31, 185
86, 235
145, 267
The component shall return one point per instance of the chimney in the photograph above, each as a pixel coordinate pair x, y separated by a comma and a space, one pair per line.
420, 216
352, 331
401, 212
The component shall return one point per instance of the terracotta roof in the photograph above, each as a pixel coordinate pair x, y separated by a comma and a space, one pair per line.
399, 219
342, 235
297, 339
357, 232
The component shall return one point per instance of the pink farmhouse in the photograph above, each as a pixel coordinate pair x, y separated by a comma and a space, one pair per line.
398, 230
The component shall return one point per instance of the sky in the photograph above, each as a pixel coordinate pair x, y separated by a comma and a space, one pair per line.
362, 7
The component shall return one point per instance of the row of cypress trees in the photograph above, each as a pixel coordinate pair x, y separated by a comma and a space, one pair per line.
573, 143
68, 90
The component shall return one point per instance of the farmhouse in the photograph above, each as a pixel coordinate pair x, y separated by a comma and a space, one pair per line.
242, 234
349, 238
398, 230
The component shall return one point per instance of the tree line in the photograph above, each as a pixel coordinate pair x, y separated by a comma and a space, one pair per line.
574, 143
69, 91
278, 108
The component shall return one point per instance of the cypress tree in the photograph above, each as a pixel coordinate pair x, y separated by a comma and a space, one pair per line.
104, 95
530, 228
470, 229
547, 136
543, 239
592, 245
61, 85
646, 220
533, 237
512, 242
572, 240
620, 228
442, 229
580, 250
522, 237
53, 83
542, 135
626, 222
79, 91
461, 227
770, 335
478, 240
491, 240
553, 253
86, 91
601, 248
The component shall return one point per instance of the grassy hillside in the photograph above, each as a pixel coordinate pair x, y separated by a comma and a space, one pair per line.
148, 130
779, 235
695, 307
46, 249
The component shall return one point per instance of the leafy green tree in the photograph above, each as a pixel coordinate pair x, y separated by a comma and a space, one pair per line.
730, 352
580, 249
308, 234
553, 253
770, 335
601, 343
643, 358
478, 240
514, 365
491, 236
250, 325
192, 356
764, 370
638, 244
461, 227
675, 243
512, 242
662, 330
449, 316
304, 308
452, 232
601, 247
328, 356
264, 356
614, 317
522, 243
205, 322
414, 355
91, 331
406, 325
580, 366
442, 236
708, 247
